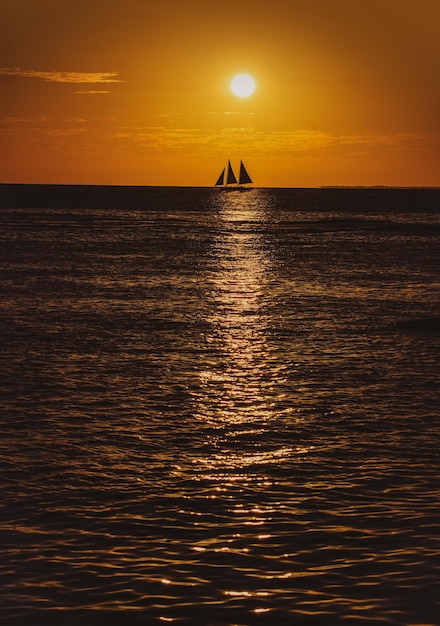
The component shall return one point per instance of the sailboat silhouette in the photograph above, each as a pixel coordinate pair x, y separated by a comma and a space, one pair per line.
228, 178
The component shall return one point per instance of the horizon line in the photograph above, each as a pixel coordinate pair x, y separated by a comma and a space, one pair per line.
21, 184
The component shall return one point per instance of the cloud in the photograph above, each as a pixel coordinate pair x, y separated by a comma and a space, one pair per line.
279, 144
63, 77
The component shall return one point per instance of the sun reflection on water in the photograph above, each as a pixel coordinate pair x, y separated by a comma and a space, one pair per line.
234, 386
237, 384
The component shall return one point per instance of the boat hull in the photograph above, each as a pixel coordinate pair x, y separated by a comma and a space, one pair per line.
240, 189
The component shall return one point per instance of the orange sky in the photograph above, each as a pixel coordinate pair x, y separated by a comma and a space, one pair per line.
137, 91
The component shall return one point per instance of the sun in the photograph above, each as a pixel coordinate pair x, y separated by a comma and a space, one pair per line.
243, 85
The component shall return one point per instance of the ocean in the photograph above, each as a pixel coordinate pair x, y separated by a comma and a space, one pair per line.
213, 412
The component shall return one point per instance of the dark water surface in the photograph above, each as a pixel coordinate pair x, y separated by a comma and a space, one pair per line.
209, 412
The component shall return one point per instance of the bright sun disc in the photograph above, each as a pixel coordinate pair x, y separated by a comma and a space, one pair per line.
243, 85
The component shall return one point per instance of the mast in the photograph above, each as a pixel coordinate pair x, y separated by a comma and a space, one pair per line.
243, 177
220, 178
230, 178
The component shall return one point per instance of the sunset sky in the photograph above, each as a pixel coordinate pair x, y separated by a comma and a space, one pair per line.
137, 91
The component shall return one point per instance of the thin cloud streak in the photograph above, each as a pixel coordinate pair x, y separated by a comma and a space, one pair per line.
63, 77
160, 138
281, 142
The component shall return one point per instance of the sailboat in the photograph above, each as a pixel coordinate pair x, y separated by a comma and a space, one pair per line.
227, 178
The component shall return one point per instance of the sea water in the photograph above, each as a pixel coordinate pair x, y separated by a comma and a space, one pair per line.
210, 414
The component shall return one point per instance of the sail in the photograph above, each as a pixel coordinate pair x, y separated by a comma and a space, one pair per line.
243, 177
220, 178
230, 178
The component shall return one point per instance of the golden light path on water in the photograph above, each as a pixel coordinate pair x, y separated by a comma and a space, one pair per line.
239, 387
238, 402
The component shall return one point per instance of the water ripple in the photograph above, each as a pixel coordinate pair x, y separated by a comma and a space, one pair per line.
209, 416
